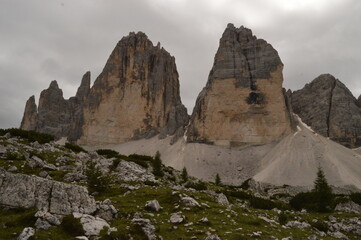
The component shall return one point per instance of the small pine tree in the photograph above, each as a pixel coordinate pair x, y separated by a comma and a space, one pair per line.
218, 180
157, 165
323, 191
97, 181
184, 174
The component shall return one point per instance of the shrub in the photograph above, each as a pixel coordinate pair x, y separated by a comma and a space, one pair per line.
184, 174
282, 218
72, 226
137, 232
31, 136
108, 153
245, 185
115, 164
305, 200
356, 198
320, 225
97, 181
261, 203
141, 157
139, 162
14, 156
197, 185
237, 194
150, 183
157, 166
116, 235
218, 180
75, 148
320, 199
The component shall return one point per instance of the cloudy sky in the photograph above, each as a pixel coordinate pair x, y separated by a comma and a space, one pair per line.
43, 40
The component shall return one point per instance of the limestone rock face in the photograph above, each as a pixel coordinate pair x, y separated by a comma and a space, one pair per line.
135, 96
359, 101
330, 109
243, 101
56, 115
53, 112
30, 117
18, 190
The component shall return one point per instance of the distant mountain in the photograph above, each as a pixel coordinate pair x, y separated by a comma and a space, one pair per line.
329, 108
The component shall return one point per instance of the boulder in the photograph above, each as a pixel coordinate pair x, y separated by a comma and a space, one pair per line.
91, 225
18, 190
213, 237
176, 218
106, 210
189, 202
153, 205
26, 233
130, 171
349, 207
147, 227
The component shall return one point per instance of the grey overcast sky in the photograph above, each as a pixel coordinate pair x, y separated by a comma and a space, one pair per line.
43, 40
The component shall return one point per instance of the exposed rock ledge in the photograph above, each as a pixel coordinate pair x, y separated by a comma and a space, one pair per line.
18, 190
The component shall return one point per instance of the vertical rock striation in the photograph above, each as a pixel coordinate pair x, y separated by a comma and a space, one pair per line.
243, 101
329, 108
30, 117
135, 96
56, 115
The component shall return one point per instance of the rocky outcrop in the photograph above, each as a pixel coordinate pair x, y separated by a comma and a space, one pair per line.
18, 190
243, 101
56, 115
30, 117
330, 109
135, 96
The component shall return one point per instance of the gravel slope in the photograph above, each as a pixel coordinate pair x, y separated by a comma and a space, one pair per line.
293, 161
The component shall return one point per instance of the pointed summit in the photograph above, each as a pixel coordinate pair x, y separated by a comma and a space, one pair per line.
330, 109
30, 116
243, 101
84, 87
135, 96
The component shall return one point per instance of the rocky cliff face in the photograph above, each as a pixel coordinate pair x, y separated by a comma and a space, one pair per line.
329, 107
55, 115
243, 101
30, 117
136, 95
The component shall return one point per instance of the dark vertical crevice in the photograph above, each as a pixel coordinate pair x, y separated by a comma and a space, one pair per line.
330, 108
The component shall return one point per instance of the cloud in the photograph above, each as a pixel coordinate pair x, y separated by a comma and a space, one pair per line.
62, 39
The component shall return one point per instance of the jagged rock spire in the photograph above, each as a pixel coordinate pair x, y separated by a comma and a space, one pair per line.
30, 116
243, 101
330, 109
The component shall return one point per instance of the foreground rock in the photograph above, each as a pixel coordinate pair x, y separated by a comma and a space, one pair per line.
243, 101
91, 225
18, 190
329, 108
26, 233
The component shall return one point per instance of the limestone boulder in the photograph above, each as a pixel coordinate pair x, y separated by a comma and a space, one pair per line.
18, 190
